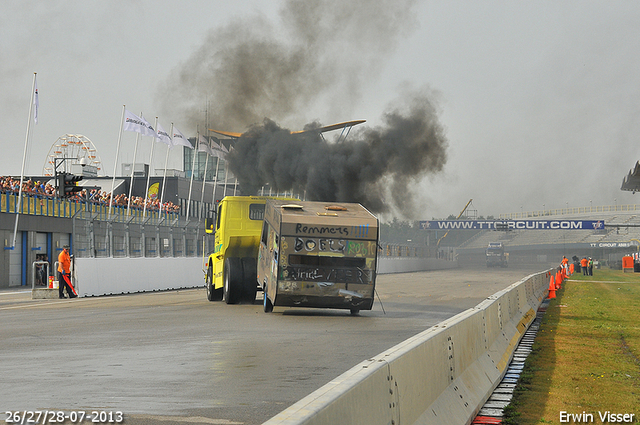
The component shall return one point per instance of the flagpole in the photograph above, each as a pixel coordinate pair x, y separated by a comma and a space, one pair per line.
195, 152
133, 168
166, 161
204, 180
24, 158
215, 180
146, 191
226, 175
115, 166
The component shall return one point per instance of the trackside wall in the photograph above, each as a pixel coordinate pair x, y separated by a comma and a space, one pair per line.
109, 276
441, 376
387, 265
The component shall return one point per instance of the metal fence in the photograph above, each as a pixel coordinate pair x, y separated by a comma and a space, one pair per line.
63, 208
100, 231
122, 235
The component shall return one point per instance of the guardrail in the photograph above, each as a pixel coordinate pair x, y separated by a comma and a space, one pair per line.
63, 208
440, 376
33, 272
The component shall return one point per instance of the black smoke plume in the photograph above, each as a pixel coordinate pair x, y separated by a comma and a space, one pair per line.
373, 166
315, 59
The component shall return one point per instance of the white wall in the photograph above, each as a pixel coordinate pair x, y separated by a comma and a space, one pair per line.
108, 276
409, 264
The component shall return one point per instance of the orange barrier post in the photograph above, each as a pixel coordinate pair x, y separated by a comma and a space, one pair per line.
558, 280
627, 263
552, 289
571, 268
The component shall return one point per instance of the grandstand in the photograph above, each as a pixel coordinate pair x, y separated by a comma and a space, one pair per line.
620, 236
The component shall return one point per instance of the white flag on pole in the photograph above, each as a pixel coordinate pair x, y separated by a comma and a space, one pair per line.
218, 151
203, 146
36, 102
179, 139
138, 124
163, 136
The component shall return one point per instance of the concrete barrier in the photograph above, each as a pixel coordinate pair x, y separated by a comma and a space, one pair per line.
44, 293
109, 276
441, 376
412, 264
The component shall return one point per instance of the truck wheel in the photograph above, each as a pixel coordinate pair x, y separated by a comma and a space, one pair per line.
232, 280
213, 294
267, 306
250, 284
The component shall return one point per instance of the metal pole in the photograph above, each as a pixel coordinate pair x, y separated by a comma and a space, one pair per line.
24, 158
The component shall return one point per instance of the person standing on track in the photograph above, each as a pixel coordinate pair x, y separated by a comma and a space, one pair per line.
565, 264
64, 273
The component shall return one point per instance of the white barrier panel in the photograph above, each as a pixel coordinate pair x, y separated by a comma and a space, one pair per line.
108, 276
412, 264
440, 376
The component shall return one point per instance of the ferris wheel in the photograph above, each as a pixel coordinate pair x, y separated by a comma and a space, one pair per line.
78, 148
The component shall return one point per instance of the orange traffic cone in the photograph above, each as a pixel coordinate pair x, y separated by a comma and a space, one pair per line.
571, 269
552, 288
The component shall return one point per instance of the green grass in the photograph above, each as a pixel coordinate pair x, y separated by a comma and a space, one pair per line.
586, 356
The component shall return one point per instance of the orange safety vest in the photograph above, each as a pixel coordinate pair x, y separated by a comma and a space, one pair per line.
584, 262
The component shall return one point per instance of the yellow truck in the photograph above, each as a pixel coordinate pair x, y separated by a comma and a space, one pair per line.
299, 253
231, 268
318, 254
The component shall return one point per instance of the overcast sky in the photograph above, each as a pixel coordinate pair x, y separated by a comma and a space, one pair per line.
539, 101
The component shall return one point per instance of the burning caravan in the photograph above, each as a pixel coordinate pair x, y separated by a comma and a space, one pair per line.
318, 254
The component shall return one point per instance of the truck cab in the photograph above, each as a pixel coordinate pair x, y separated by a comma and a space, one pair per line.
496, 256
231, 268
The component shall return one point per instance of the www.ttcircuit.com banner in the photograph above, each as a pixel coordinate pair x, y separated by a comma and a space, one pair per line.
512, 225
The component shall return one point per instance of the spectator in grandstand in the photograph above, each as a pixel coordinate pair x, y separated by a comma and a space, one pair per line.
39, 189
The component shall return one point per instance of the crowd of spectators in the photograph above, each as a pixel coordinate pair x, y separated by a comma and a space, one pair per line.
41, 189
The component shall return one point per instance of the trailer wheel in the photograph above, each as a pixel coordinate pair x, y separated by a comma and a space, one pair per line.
250, 284
232, 280
355, 311
267, 305
212, 293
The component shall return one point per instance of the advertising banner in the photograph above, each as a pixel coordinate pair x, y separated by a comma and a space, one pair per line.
512, 225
